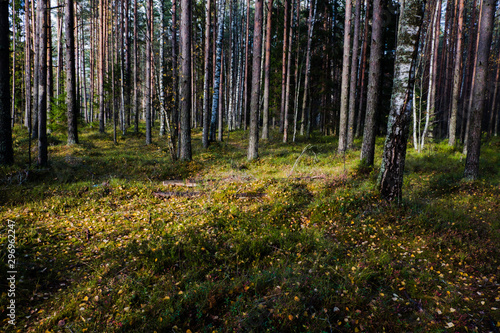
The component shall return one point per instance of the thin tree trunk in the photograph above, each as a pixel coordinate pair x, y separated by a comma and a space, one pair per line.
42, 83
27, 66
69, 25
354, 76
185, 82
218, 63
50, 75
6, 150
306, 108
480, 88
208, 74
288, 73
344, 97
245, 80
13, 103
362, 81
175, 76
457, 76
147, 90
431, 94
368, 146
267, 68
253, 139
101, 70
136, 72
286, 26
494, 110
393, 158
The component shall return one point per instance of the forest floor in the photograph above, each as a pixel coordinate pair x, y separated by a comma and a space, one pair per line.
283, 244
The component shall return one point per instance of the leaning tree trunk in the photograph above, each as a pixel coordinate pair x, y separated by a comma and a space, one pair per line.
253, 139
393, 158
185, 82
6, 150
368, 146
69, 25
344, 96
480, 87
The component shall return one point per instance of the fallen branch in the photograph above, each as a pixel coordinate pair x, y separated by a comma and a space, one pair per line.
297, 160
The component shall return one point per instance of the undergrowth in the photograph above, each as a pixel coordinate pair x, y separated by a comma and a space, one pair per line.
255, 246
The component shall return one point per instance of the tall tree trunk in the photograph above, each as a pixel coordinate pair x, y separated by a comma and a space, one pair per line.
147, 90
288, 71
42, 82
362, 81
6, 150
431, 93
13, 103
267, 68
354, 76
457, 76
245, 79
27, 65
368, 146
344, 97
69, 17
286, 26
185, 82
217, 73
175, 76
136, 71
306, 108
50, 75
100, 70
480, 87
253, 139
494, 112
207, 75
393, 158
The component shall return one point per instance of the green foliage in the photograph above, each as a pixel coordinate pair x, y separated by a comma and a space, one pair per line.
255, 249
58, 116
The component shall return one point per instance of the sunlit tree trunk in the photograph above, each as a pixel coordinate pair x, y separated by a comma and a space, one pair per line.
136, 72
372, 99
286, 26
393, 158
207, 75
69, 17
13, 96
253, 138
480, 87
344, 96
100, 70
6, 150
42, 82
185, 82
217, 74
288, 72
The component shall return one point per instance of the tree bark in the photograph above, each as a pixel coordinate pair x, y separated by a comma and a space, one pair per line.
344, 97
6, 150
101, 70
393, 158
286, 26
267, 68
136, 72
368, 146
217, 74
27, 66
147, 90
69, 17
457, 76
354, 76
185, 82
208, 74
253, 139
42, 82
480, 87
306, 108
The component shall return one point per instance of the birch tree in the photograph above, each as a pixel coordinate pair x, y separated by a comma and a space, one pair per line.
393, 158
